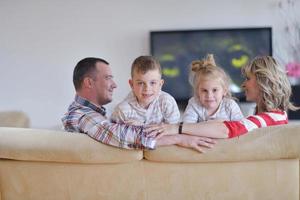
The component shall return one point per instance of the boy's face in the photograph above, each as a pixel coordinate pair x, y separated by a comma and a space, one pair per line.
146, 87
210, 93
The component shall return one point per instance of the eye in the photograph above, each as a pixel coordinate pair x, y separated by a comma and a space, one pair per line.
215, 90
140, 83
153, 83
108, 77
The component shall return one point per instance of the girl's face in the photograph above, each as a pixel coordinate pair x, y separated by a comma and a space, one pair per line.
251, 88
210, 93
146, 87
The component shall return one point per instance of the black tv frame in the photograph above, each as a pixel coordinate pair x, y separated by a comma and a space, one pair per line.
239, 95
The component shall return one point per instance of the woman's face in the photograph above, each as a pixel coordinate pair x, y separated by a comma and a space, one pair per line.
251, 88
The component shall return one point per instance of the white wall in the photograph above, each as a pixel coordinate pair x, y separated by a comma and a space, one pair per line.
41, 41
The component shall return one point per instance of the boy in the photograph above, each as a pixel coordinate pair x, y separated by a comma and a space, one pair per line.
146, 103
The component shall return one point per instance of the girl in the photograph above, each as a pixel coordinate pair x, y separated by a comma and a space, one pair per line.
212, 97
266, 84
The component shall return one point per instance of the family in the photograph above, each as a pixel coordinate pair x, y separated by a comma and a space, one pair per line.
149, 117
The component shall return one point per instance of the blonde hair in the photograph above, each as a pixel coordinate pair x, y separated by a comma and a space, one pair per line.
207, 68
271, 78
143, 64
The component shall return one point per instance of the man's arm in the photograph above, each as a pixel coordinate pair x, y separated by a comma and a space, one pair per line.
114, 134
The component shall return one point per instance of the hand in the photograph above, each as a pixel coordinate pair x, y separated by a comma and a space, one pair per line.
195, 142
159, 130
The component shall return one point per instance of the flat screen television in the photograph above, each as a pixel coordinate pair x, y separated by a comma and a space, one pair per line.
232, 48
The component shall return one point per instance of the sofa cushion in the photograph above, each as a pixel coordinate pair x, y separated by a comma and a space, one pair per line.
59, 146
261, 144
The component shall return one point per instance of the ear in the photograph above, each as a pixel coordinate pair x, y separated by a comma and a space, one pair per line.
162, 81
225, 92
87, 82
130, 83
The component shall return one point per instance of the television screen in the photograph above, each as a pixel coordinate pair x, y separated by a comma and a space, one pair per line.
232, 48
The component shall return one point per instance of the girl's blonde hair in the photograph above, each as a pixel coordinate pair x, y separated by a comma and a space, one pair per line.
271, 78
207, 68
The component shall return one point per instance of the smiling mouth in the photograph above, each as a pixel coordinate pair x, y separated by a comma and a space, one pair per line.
147, 95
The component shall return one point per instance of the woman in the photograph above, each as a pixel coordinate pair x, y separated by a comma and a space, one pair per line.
266, 84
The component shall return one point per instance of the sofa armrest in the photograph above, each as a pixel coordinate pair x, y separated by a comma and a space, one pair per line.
270, 143
14, 119
59, 146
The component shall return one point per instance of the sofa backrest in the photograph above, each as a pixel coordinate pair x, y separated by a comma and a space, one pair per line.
269, 143
59, 146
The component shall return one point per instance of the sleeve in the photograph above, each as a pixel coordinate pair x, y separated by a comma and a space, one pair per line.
114, 134
190, 114
236, 128
170, 110
235, 111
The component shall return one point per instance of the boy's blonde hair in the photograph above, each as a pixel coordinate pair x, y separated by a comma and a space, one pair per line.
144, 64
207, 68
274, 86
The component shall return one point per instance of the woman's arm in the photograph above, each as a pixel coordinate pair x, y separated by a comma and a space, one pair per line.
212, 129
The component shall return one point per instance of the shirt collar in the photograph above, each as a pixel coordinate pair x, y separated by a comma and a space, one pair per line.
84, 102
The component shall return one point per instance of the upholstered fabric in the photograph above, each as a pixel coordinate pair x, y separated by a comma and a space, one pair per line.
144, 180
275, 142
59, 146
50, 165
274, 180
14, 119
58, 181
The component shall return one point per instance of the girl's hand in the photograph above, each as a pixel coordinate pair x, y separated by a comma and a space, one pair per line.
195, 142
189, 141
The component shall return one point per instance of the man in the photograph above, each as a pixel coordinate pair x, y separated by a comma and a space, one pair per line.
94, 87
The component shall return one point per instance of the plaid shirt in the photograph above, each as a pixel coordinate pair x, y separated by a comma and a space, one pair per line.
85, 117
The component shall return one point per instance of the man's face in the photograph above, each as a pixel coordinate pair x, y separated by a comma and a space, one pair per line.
103, 84
146, 87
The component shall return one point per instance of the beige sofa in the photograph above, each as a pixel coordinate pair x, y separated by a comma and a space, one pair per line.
43, 165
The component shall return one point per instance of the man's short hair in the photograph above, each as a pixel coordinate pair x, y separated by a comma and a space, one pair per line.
85, 67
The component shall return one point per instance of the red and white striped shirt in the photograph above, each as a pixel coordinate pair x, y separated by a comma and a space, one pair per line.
252, 122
